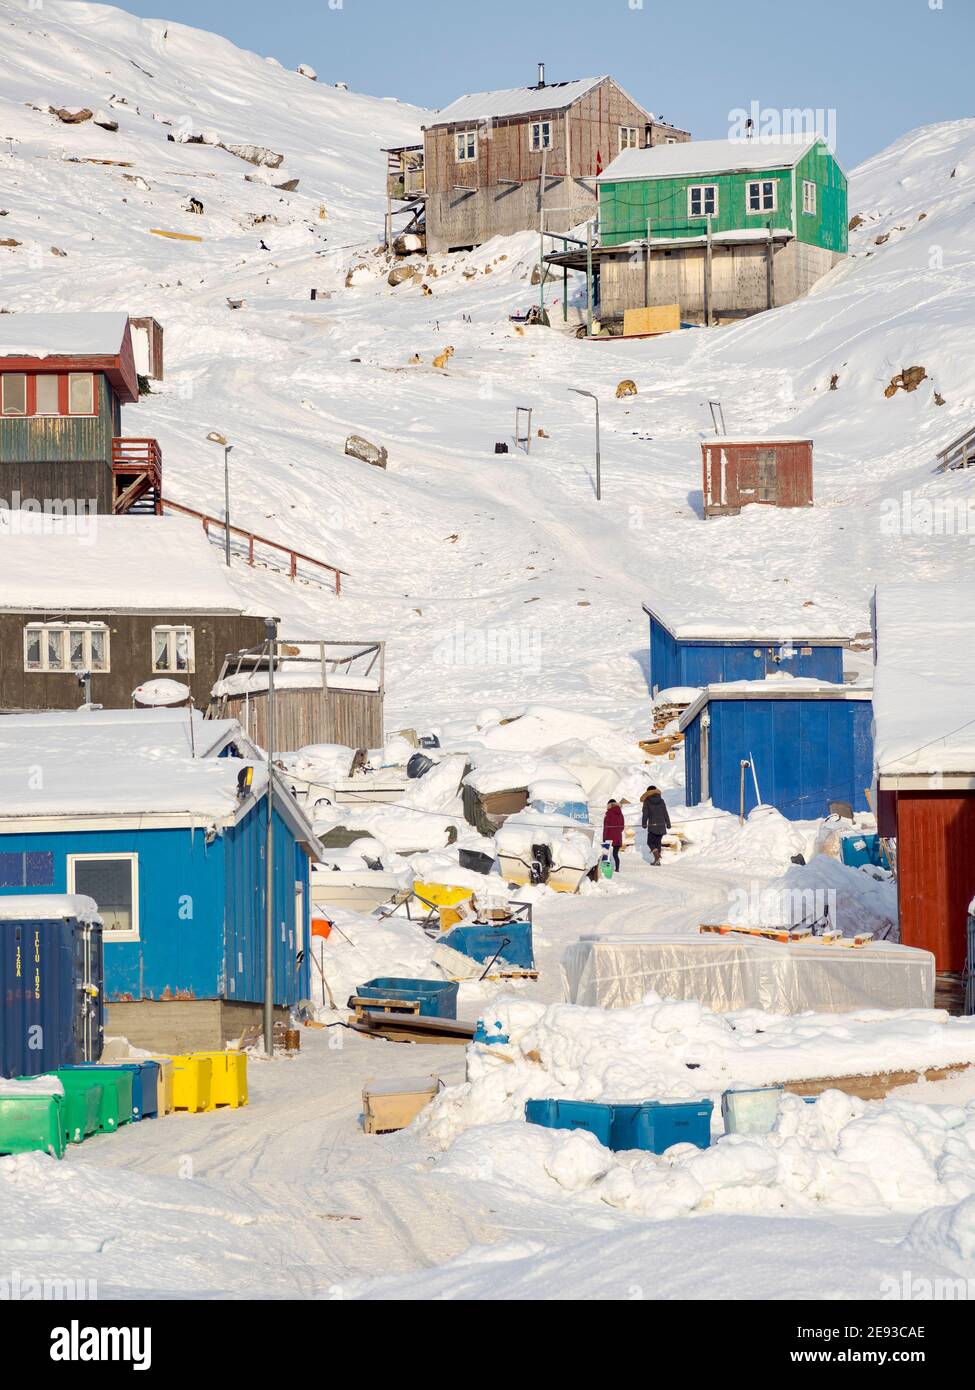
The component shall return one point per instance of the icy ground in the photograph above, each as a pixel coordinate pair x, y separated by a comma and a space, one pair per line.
497, 580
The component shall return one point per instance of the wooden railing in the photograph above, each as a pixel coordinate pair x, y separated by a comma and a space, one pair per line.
960, 453
132, 454
136, 475
253, 540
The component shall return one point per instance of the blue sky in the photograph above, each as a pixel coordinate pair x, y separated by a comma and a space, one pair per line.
882, 66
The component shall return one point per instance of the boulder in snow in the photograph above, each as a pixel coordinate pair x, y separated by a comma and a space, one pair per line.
105, 121
70, 117
255, 154
358, 448
402, 274
308, 72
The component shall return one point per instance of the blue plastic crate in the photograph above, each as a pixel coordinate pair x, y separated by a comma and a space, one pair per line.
592, 1116
145, 1086
657, 1125
858, 850
438, 998
482, 943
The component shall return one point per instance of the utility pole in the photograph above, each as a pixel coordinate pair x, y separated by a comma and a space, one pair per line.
216, 438
599, 480
271, 629
589, 279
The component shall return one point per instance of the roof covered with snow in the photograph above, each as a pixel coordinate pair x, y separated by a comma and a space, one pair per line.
47, 907
111, 564
924, 706
515, 101
62, 335
128, 763
708, 157
783, 623
777, 687
177, 731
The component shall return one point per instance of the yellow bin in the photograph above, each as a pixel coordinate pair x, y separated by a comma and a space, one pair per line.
192, 1082
165, 1091
228, 1078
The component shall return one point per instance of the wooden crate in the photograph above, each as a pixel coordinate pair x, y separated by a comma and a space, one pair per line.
391, 1105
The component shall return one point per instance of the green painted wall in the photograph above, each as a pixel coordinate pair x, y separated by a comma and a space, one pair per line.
626, 207
829, 226
30, 439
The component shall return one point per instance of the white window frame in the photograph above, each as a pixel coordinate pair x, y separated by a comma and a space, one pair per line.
626, 142
704, 189
762, 211
65, 630
83, 414
465, 146
13, 414
172, 630
72, 859
47, 414
540, 136
810, 199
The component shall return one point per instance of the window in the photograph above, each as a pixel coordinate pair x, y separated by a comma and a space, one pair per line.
466, 144
629, 137
81, 393
66, 647
14, 393
27, 869
113, 881
702, 200
172, 650
761, 196
541, 135
46, 396
809, 197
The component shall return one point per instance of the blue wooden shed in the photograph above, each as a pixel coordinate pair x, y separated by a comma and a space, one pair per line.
689, 652
805, 743
169, 841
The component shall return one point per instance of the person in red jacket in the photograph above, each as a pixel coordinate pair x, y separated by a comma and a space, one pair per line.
613, 828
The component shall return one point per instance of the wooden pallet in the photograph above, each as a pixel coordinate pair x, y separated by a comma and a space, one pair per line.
362, 1007
410, 1028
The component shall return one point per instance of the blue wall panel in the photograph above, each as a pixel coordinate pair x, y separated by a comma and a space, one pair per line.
678, 661
201, 917
806, 753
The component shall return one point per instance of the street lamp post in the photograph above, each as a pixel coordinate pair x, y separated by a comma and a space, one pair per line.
599, 479
216, 438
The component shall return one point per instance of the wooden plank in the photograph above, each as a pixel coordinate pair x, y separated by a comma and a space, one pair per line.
873, 1087
401, 1028
657, 318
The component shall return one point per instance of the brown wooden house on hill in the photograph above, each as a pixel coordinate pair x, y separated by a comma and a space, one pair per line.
126, 599
63, 381
493, 162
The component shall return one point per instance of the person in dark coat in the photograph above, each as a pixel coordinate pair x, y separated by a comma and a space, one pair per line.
656, 821
613, 829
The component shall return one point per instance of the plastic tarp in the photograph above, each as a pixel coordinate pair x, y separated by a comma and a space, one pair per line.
728, 973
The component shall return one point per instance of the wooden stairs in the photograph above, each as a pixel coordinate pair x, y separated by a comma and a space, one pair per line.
136, 477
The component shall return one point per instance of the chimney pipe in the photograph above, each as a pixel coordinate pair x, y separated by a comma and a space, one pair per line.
541, 74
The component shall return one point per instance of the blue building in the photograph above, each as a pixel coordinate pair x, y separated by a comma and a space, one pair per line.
163, 823
804, 743
689, 652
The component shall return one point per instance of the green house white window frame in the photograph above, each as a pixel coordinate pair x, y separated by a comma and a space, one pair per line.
109, 911
171, 646
702, 200
465, 146
540, 135
764, 192
629, 137
61, 647
809, 198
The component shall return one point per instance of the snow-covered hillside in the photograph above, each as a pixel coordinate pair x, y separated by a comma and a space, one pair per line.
454, 541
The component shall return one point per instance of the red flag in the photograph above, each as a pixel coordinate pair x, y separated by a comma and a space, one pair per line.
599, 162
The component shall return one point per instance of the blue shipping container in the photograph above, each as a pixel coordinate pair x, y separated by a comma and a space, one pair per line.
51, 993
592, 1116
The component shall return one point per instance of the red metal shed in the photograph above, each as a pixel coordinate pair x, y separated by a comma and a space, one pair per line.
776, 472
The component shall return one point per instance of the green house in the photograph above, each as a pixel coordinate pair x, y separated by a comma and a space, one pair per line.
725, 228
